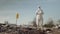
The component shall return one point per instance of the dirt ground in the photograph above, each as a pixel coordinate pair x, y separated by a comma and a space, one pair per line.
55, 31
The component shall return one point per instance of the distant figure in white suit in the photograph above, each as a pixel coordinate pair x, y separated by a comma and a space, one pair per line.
39, 18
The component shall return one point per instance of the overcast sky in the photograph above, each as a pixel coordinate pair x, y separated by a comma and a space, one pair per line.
27, 9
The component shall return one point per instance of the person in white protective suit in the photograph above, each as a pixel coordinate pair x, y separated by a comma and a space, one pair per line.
39, 18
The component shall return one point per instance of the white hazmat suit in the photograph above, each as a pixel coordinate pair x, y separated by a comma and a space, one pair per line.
39, 18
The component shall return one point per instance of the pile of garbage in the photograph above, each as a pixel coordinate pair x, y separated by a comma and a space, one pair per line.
13, 29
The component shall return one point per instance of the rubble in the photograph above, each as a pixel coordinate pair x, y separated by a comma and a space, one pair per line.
9, 29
